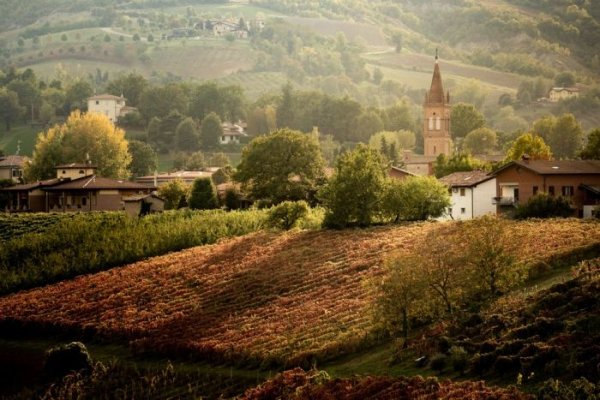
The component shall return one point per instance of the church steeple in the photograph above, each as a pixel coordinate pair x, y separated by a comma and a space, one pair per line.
436, 92
436, 116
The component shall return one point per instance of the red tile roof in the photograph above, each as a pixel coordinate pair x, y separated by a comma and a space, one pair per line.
558, 167
466, 178
12, 161
95, 182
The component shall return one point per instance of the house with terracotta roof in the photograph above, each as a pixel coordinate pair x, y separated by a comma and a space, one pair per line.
399, 173
11, 167
76, 188
576, 180
471, 194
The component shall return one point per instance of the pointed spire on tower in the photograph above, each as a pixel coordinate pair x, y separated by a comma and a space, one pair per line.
436, 92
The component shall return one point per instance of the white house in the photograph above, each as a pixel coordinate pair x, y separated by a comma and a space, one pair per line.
561, 93
111, 106
470, 194
232, 133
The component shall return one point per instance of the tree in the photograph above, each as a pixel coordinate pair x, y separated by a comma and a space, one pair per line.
187, 135
131, 86
465, 118
77, 94
211, 131
480, 141
543, 205
160, 101
564, 79
286, 165
565, 139
353, 196
9, 107
377, 76
219, 160
28, 93
203, 195
195, 162
416, 198
173, 192
366, 125
402, 295
144, 160
491, 255
530, 144
396, 40
399, 117
64, 37
136, 37
591, 151
458, 162
80, 137
286, 108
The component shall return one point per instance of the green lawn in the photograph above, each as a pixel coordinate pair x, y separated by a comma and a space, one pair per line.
25, 134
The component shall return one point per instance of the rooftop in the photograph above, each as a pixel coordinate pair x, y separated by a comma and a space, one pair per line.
75, 166
466, 178
95, 182
106, 96
557, 167
12, 161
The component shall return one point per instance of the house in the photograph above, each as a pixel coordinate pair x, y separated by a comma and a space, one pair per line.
75, 188
112, 106
221, 28
399, 173
418, 164
142, 204
187, 177
471, 194
232, 133
517, 181
557, 94
11, 168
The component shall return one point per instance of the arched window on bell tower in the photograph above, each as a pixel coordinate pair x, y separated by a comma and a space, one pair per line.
438, 123
430, 123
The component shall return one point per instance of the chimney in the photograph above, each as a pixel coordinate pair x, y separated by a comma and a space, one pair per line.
525, 158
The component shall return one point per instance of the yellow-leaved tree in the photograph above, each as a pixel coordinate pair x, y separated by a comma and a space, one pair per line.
83, 137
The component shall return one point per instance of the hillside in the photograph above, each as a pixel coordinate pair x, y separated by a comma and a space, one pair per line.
263, 299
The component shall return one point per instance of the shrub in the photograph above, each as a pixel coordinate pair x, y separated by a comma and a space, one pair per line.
287, 214
544, 206
438, 362
579, 389
72, 357
458, 358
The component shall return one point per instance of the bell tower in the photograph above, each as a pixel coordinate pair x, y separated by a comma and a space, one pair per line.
436, 117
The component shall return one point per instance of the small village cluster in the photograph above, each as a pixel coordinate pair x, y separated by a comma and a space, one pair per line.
77, 187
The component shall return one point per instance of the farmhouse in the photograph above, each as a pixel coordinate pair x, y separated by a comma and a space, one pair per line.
577, 180
11, 168
75, 188
112, 106
557, 94
187, 177
471, 194
232, 133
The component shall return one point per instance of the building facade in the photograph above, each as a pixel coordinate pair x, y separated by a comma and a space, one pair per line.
11, 168
107, 104
518, 181
471, 194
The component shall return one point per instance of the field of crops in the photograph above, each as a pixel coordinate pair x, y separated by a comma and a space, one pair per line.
261, 299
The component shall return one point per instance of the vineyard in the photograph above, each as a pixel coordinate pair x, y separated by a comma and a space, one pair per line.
298, 385
259, 300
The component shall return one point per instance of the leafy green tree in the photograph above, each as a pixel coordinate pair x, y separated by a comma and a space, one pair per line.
286, 108
219, 160
211, 131
285, 165
286, 215
131, 86
77, 94
465, 118
591, 151
565, 139
203, 195
187, 135
416, 198
154, 130
144, 159
91, 135
195, 162
9, 107
396, 40
160, 101
530, 144
456, 163
354, 195
480, 141
542, 205
471, 92
564, 79
29, 94
173, 192
366, 125
399, 117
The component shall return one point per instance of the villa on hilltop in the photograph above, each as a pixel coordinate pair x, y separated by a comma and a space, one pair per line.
113, 107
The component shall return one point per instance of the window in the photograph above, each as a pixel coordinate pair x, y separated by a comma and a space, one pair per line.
438, 123
462, 192
430, 123
535, 190
551, 190
463, 210
434, 150
84, 201
64, 172
516, 195
81, 172
450, 211
567, 191
97, 102
15, 173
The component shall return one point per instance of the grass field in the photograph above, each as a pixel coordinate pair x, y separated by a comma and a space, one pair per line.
23, 136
